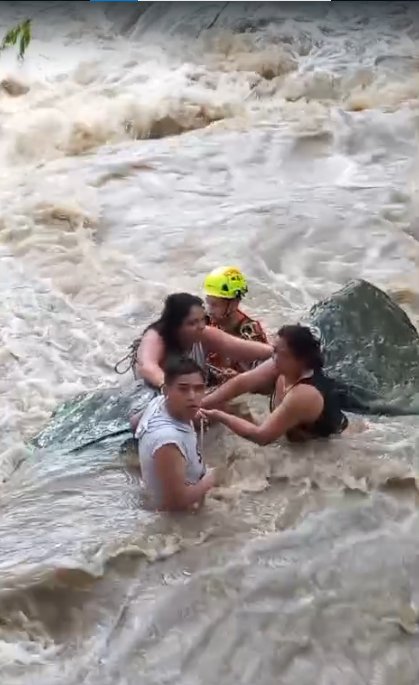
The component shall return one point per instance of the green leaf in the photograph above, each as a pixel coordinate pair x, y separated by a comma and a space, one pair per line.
19, 36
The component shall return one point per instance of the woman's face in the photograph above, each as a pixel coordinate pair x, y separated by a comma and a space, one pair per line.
286, 363
192, 327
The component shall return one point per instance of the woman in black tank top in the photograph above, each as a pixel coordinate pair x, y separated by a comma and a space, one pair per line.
298, 356
331, 420
304, 402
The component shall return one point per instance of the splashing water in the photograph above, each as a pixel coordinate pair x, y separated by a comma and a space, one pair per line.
140, 147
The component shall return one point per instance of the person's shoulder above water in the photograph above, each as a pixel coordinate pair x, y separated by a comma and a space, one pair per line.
179, 326
182, 330
244, 327
301, 404
172, 466
156, 419
251, 329
225, 288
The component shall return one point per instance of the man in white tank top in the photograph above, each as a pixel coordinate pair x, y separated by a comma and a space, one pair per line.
171, 462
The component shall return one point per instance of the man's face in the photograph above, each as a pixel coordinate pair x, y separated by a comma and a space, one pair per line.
220, 308
185, 395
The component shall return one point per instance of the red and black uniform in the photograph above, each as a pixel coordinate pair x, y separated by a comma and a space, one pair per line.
222, 368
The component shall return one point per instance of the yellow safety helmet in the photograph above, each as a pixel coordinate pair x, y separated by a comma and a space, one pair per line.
227, 282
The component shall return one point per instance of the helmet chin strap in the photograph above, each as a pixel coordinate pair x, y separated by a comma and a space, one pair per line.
228, 309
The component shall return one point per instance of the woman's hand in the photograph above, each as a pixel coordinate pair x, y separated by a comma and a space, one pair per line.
210, 415
200, 422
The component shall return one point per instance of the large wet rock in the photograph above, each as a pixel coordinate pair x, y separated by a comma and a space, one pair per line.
372, 350
94, 416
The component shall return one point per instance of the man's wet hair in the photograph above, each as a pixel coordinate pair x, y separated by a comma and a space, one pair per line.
177, 366
303, 345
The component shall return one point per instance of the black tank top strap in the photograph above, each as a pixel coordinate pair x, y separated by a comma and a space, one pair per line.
272, 398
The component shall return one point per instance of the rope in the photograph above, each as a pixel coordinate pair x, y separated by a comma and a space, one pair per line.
201, 436
131, 356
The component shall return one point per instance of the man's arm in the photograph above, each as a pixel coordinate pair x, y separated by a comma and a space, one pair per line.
303, 405
170, 471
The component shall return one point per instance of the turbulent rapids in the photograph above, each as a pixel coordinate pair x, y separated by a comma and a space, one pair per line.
372, 351
141, 147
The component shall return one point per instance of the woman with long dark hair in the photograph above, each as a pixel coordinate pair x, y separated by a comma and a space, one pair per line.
182, 330
303, 400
